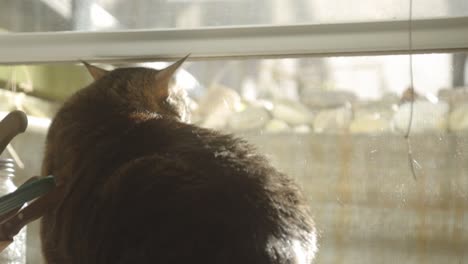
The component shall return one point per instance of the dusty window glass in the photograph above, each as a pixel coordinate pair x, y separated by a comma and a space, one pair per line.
91, 15
335, 124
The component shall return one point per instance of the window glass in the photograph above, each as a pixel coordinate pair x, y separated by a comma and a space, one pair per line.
92, 15
334, 124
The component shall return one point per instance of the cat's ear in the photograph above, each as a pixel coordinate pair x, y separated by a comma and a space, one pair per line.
96, 72
164, 76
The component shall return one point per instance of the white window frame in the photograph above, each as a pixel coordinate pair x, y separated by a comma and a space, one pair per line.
364, 38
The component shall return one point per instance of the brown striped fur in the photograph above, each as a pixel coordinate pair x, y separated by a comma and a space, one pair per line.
142, 186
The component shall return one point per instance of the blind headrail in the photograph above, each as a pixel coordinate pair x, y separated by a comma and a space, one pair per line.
381, 37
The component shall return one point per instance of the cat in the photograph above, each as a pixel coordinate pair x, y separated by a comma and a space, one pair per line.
142, 185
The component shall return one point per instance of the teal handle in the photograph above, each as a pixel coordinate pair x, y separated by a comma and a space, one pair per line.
25, 193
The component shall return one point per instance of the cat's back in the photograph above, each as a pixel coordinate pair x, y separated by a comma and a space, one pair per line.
192, 144
193, 188
202, 189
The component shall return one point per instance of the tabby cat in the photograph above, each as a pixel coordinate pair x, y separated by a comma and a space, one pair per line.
144, 186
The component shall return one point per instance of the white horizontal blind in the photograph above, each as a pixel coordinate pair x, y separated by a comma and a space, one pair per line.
386, 37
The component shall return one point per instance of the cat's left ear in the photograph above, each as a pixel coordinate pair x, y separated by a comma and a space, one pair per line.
96, 72
164, 76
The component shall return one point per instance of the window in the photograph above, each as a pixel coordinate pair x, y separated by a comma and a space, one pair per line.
321, 90
91, 15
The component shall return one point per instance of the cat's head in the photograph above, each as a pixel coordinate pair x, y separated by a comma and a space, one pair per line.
144, 89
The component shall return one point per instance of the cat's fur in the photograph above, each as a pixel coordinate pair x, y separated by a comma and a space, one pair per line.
144, 187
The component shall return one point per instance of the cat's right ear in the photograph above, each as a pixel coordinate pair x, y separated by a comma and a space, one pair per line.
164, 77
96, 72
